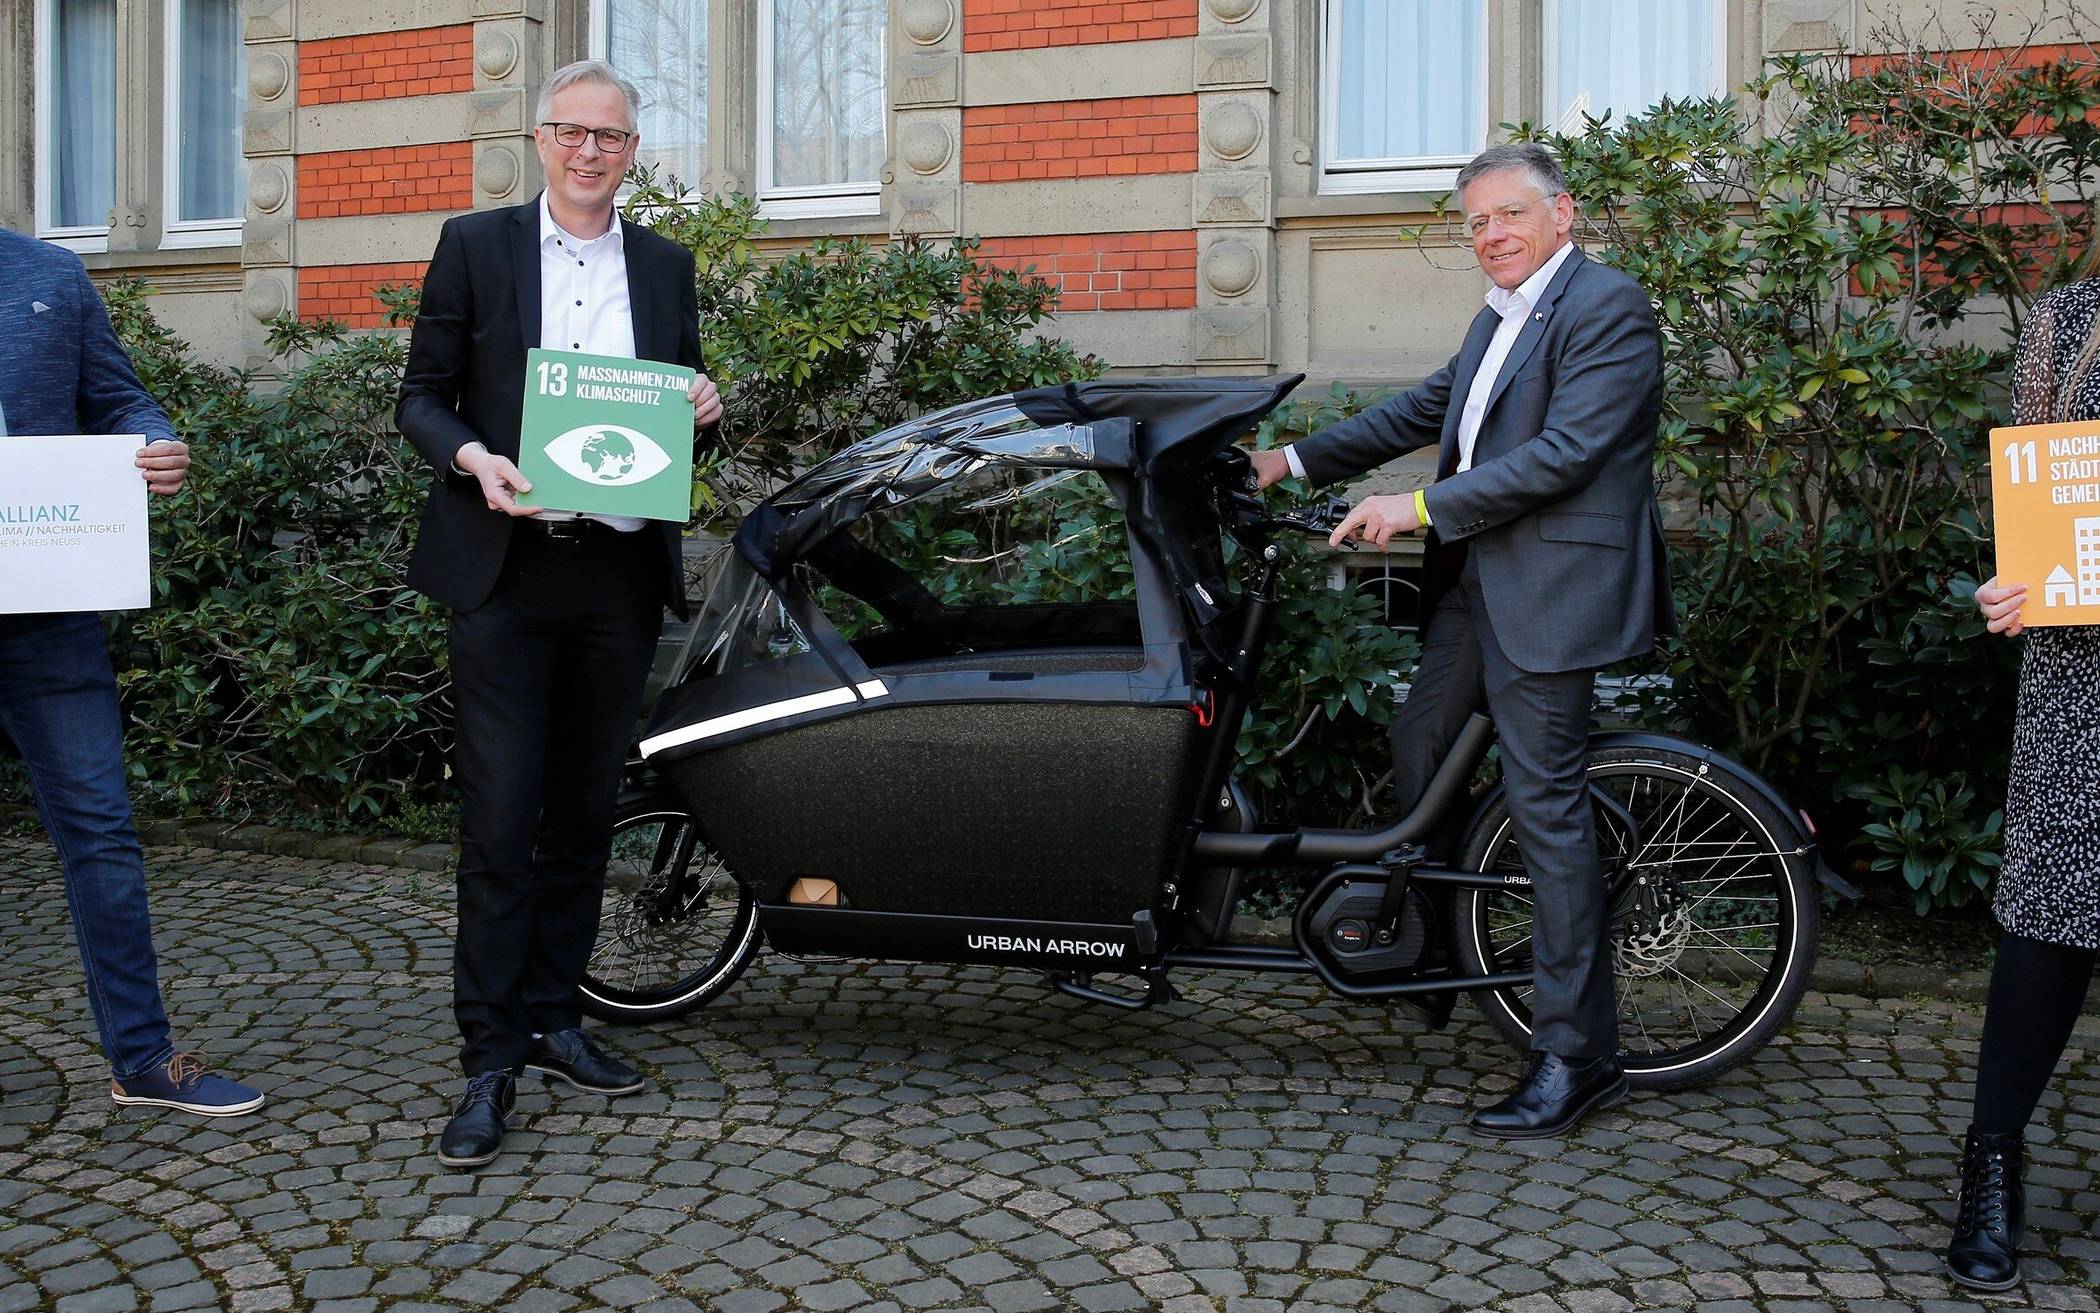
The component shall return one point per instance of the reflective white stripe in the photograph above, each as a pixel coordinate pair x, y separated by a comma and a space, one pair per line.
750, 716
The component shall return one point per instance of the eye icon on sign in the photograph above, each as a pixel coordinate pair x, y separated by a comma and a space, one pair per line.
608, 455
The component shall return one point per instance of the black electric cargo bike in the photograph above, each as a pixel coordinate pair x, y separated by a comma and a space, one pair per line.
969, 691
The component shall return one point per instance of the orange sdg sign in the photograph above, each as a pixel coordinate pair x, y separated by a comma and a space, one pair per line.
2045, 497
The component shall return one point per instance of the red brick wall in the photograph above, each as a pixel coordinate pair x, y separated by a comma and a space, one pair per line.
344, 291
1107, 271
1079, 138
1029, 24
389, 180
387, 65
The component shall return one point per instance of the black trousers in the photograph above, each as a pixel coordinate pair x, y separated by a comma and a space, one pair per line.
1542, 723
547, 680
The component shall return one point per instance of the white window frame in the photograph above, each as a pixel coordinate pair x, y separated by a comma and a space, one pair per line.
177, 233
836, 200
85, 239
1549, 89
1357, 177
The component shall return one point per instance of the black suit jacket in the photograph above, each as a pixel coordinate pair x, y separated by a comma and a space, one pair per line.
1558, 508
465, 381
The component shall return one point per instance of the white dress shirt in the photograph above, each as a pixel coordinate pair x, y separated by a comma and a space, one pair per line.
1515, 308
584, 307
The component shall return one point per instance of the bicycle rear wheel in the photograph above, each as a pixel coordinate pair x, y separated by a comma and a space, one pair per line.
676, 929
1713, 939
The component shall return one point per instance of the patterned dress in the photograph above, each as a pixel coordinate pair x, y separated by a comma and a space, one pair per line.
2050, 886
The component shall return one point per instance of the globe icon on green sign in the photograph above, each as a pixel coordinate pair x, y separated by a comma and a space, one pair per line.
609, 454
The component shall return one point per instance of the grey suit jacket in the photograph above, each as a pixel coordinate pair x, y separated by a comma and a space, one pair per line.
1558, 508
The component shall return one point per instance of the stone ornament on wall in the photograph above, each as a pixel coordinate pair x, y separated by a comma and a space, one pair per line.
926, 211
266, 241
495, 53
496, 171
265, 298
269, 73
268, 188
500, 112
1231, 267
1232, 130
1240, 196
925, 146
1232, 11
1230, 336
269, 20
1232, 61
924, 79
928, 22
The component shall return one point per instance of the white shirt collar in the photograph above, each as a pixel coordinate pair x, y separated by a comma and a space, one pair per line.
551, 231
1507, 303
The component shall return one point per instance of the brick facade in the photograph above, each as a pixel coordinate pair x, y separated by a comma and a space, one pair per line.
345, 291
1079, 139
389, 180
1033, 24
387, 65
1106, 271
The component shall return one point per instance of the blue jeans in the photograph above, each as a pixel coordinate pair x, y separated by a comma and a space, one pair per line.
58, 702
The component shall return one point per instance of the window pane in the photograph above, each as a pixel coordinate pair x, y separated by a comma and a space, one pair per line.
661, 46
82, 170
828, 63
1412, 81
211, 93
1625, 55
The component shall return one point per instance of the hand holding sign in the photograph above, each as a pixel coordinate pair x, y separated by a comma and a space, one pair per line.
607, 435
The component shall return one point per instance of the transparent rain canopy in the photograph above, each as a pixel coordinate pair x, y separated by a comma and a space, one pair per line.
743, 622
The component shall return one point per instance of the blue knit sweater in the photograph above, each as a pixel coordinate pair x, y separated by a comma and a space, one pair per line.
61, 369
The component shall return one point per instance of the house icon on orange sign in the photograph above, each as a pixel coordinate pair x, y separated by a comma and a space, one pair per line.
2061, 589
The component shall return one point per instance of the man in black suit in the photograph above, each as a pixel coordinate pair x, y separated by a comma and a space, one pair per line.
1545, 564
555, 615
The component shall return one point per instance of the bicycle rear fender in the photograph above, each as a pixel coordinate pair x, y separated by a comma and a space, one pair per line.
1811, 850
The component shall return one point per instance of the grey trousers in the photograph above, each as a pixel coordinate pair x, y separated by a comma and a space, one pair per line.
1542, 723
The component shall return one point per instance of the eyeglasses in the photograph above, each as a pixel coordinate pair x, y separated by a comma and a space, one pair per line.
610, 140
1477, 224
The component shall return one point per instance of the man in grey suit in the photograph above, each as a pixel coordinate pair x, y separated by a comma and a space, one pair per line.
1545, 564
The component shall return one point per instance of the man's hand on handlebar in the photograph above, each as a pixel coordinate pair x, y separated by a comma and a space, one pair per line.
1269, 466
1378, 519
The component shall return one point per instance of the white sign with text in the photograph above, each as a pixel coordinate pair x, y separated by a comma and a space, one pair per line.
72, 524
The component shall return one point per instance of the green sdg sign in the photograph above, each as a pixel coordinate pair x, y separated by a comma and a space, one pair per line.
607, 435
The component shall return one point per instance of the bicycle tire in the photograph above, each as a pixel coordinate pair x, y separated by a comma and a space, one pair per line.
644, 906
1681, 846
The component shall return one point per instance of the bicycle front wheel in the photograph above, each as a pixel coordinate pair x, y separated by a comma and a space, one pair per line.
1713, 938
675, 928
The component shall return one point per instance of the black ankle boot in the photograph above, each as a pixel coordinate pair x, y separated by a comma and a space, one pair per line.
1985, 1251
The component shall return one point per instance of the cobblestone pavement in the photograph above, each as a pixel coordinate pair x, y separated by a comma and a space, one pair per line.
833, 1137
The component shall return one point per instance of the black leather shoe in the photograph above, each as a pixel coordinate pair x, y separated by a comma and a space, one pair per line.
569, 1055
1555, 1096
475, 1133
1988, 1223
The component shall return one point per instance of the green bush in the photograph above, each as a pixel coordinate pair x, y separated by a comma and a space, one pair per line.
284, 658
1314, 749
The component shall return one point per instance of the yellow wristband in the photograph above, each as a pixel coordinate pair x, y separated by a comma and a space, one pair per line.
1422, 505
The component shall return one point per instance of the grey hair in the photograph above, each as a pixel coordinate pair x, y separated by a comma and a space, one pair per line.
1535, 160
588, 70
